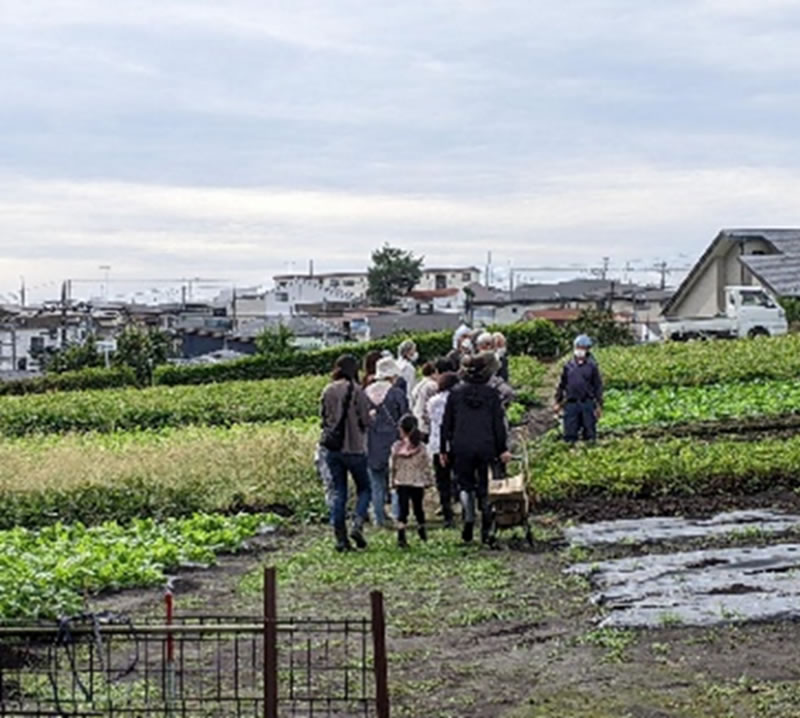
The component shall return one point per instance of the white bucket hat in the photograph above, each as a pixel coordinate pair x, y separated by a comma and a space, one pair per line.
386, 368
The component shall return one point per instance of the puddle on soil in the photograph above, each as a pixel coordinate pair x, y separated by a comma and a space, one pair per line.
698, 588
648, 530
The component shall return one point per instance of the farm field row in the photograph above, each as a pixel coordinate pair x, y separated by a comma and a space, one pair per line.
117, 409
47, 573
635, 467
675, 405
696, 363
170, 472
222, 404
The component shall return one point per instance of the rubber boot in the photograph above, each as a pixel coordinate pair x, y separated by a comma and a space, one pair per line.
422, 533
357, 534
467, 531
401, 539
342, 544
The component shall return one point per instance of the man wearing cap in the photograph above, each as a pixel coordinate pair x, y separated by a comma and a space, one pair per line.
580, 393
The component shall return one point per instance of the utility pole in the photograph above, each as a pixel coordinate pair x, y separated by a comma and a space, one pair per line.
604, 271
21, 291
63, 315
662, 267
489, 268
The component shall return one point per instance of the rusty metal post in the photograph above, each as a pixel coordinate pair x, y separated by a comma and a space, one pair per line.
270, 644
170, 651
380, 659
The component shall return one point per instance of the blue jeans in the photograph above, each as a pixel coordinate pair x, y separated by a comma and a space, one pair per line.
580, 421
377, 483
356, 464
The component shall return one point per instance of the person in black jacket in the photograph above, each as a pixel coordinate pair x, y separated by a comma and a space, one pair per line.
580, 393
473, 436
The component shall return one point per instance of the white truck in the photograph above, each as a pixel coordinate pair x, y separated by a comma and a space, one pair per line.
749, 312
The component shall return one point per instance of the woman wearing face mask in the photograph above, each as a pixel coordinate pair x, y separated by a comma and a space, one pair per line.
580, 393
501, 350
407, 356
462, 347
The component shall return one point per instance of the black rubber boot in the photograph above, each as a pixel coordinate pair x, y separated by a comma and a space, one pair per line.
422, 533
401, 539
467, 531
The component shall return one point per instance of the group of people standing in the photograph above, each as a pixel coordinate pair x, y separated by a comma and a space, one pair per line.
397, 436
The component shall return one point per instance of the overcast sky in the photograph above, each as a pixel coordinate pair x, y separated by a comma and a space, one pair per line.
198, 138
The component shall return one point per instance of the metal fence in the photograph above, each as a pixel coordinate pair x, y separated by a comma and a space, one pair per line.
192, 666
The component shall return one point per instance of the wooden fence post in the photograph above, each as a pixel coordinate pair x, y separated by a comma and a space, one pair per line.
381, 661
270, 644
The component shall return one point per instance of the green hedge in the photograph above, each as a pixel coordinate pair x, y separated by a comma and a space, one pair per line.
540, 339
71, 381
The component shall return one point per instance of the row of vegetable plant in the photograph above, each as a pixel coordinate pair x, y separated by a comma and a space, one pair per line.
636, 467
47, 573
170, 472
675, 405
210, 404
116, 409
697, 363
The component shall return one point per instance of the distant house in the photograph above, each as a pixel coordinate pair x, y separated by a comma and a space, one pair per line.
491, 306
309, 333
385, 325
438, 278
429, 301
293, 289
766, 257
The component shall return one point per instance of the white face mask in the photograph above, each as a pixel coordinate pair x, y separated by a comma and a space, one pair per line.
501, 352
466, 346
580, 354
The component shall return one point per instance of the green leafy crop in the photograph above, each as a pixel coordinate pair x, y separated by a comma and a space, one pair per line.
47, 573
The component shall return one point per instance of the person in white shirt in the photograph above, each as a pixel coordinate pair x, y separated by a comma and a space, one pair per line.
407, 355
443, 471
423, 391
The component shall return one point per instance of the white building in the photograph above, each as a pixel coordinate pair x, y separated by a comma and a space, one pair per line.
25, 341
762, 257
434, 278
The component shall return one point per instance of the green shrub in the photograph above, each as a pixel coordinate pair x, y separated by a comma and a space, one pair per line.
71, 381
540, 339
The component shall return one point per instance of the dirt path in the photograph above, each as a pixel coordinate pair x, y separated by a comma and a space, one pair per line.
523, 644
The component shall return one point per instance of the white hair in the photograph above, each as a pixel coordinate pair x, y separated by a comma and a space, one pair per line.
485, 339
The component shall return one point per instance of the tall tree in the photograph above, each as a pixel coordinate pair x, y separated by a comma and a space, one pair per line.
74, 357
393, 274
275, 340
142, 350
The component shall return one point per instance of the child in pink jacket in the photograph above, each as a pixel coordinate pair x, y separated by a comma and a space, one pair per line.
411, 474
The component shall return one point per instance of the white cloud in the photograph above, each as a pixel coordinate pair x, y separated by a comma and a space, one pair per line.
257, 230
247, 134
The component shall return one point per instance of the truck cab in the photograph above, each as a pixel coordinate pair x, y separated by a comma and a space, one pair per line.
757, 312
750, 311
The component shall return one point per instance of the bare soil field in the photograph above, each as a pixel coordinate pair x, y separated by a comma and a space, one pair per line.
505, 632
